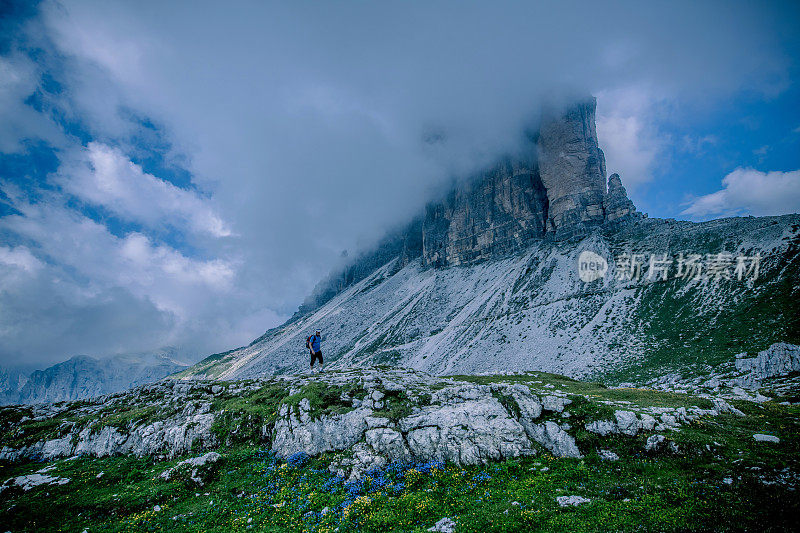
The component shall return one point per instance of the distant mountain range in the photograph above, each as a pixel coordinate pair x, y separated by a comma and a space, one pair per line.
84, 377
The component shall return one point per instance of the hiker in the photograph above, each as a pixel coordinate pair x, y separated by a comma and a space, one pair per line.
313, 345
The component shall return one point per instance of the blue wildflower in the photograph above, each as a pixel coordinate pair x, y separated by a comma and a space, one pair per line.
297, 459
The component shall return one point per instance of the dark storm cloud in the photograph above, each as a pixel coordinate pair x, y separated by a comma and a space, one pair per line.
312, 127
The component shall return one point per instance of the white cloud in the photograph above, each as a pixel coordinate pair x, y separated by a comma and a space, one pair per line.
74, 277
134, 262
304, 123
19, 78
626, 127
104, 176
698, 145
20, 257
751, 192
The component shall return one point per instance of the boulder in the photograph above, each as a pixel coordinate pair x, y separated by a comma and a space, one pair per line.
196, 468
551, 436
555, 403
760, 437
602, 427
465, 432
627, 422
566, 501
445, 525
608, 455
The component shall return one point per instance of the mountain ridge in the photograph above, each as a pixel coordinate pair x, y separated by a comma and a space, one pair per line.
487, 279
531, 311
83, 376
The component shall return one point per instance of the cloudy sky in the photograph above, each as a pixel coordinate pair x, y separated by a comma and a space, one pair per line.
182, 173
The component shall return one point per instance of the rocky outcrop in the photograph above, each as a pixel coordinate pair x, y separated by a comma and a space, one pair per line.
780, 359
374, 417
30, 481
772, 371
196, 469
496, 213
572, 169
555, 189
168, 437
617, 205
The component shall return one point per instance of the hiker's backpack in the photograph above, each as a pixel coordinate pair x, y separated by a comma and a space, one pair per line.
308, 342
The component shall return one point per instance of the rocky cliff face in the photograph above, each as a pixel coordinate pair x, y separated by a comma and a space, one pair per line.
573, 170
554, 189
84, 377
532, 311
616, 203
494, 214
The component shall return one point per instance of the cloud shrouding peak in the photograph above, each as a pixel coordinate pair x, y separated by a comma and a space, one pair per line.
301, 130
749, 191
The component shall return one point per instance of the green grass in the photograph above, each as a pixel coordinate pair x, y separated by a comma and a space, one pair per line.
662, 491
653, 493
243, 416
397, 405
689, 334
597, 391
327, 399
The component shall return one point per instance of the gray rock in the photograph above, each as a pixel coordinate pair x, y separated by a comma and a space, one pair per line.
760, 437
555, 439
529, 405
388, 443
602, 427
721, 406
467, 432
555, 403
572, 169
616, 203
669, 421
779, 359
654, 442
377, 396
30, 481
566, 501
293, 433
445, 525
195, 467
647, 422
657, 443
362, 459
627, 422
608, 455
499, 210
